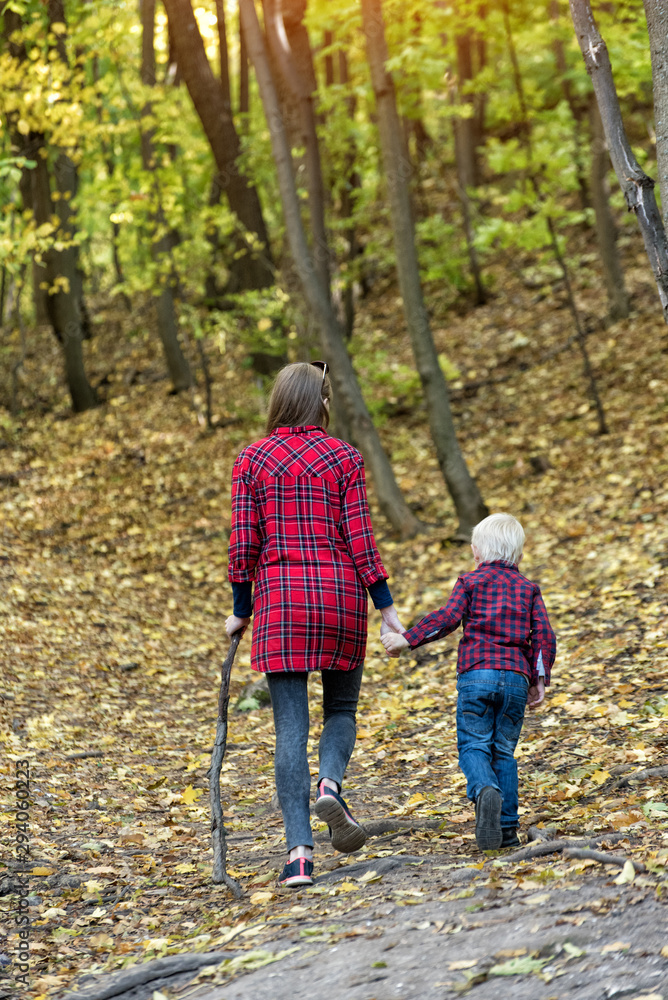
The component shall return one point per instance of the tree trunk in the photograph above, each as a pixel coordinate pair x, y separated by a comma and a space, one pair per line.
467, 167
168, 327
656, 12
613, 274
60, 270
352, 182
291, 50
463, 489
62, 273
252, 268
244, 89
638, 188
348, 393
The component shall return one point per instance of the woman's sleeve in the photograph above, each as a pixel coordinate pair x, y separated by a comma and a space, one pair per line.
355, 528
244, 548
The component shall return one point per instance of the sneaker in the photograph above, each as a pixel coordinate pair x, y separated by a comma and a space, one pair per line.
297, 872
345, 832
488, 819
509, 837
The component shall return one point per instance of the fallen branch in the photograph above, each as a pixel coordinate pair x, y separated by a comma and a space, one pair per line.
605, 859
648, 772
84, 754
105, 987
217, 820
556, 846
377, 827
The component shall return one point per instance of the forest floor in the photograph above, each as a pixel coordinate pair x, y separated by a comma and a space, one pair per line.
113, 551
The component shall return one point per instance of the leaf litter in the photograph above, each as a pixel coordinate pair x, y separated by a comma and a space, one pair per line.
113, 564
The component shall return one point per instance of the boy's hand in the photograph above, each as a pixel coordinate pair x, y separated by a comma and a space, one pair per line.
394, 643
536, 694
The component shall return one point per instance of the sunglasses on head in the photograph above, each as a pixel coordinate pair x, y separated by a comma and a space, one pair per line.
323, 367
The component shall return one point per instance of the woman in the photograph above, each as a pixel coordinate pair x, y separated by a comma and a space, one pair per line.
301, 532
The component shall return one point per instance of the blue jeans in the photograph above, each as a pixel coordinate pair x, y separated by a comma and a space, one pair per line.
490, 712
289, 700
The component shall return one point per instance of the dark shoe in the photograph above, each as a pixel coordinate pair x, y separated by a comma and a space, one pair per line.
297, 872
509, 837
488, 819
346, 833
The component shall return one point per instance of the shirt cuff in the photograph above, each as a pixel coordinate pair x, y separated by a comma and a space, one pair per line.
379, 592
243, 599
540, 666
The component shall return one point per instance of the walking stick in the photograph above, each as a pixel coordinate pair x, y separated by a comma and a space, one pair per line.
218, 836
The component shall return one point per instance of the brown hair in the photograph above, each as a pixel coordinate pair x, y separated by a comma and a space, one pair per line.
297, 399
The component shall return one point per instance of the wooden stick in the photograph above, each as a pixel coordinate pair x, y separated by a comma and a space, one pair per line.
218, 838
605, 859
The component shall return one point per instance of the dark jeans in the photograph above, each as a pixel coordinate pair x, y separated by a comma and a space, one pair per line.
490, 712
289, 699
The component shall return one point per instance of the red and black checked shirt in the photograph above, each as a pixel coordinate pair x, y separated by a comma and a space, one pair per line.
301, 530
505, 622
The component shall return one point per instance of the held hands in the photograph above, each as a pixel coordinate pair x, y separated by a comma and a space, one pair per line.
393, 642
233, 624
536, 694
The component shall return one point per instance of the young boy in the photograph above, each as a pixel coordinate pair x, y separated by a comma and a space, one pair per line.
504, 662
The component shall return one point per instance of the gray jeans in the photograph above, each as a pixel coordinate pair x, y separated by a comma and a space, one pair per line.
289, 699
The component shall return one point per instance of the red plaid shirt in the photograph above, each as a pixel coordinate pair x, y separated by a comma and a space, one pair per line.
301, 530
505, 622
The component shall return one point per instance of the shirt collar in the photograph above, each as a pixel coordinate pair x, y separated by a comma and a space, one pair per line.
308, 429
500, 563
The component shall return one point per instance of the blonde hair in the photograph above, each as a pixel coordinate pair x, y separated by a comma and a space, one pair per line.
298, 397
499, 538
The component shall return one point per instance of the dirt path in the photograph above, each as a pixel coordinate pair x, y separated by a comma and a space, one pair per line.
440, 931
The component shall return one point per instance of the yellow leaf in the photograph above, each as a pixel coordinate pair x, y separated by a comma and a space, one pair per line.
370, 877
184, 868
264, 324
22, 126
627, 874
42, 871
348, 886
616, 946
418, 797
190, 794
600, 776
664, 951
263, 896
462, 963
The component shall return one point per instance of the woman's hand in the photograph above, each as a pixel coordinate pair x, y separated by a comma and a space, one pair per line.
233, 624
393, 643
391, 621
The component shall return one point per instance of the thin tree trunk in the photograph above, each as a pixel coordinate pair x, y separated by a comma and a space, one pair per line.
463, 489
554, 242
656, 12
244, 89
578, 108
352, 182
60, 272
168, 327
638, 188
290, 47
348, 393
252, 268
613, 274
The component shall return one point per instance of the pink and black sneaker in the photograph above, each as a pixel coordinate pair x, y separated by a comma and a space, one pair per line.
345, 832
297, 872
